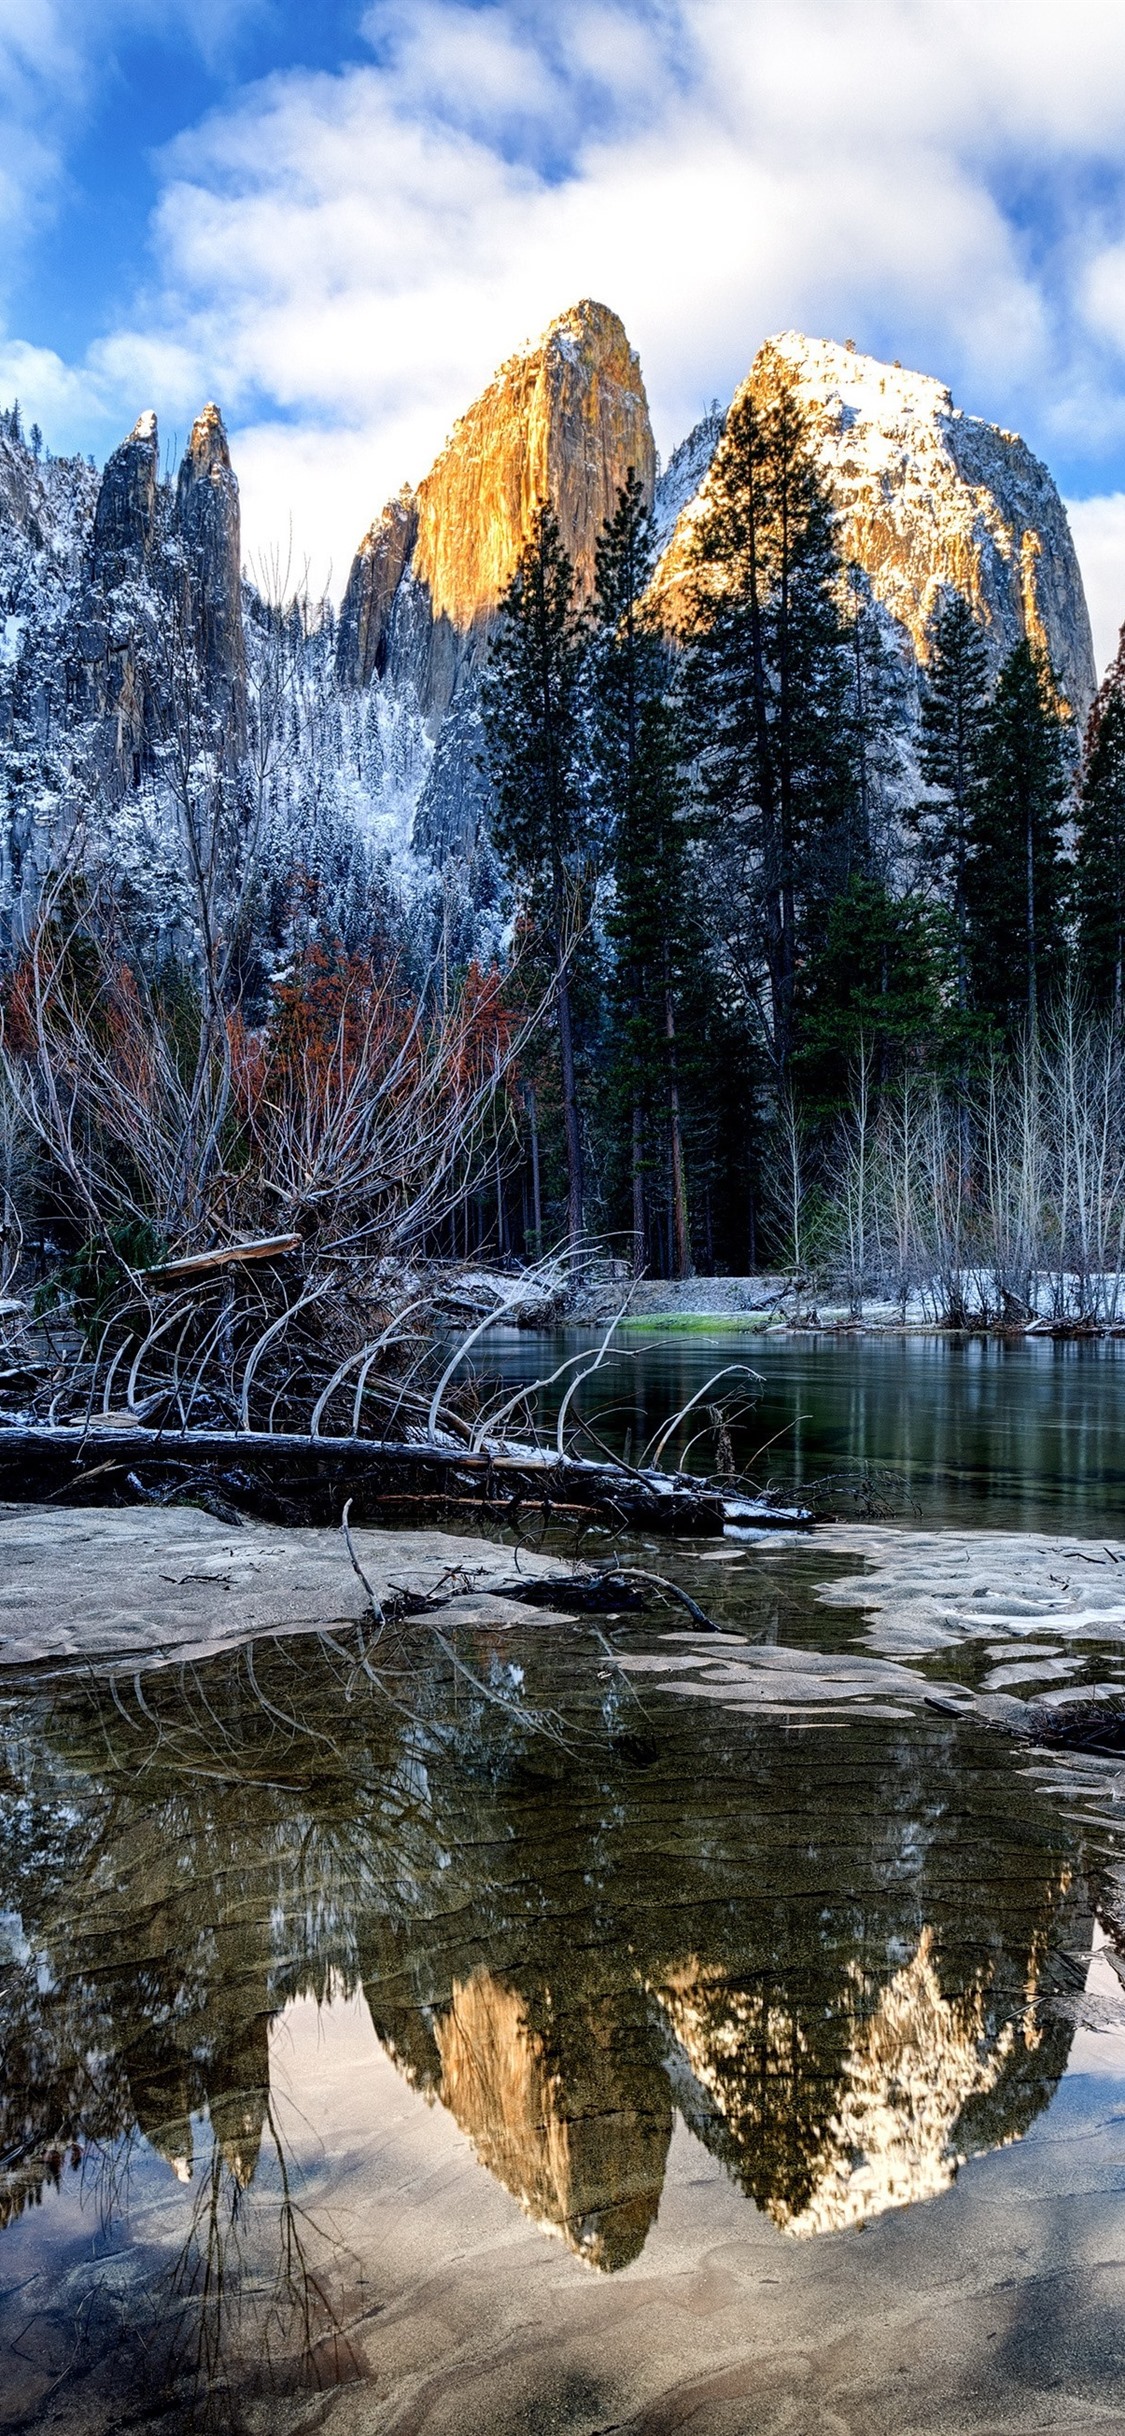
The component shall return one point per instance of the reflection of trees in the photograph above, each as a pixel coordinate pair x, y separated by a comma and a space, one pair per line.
833, 1970
249, 2298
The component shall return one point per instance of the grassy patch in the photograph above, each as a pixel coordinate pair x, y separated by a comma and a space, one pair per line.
699, 1323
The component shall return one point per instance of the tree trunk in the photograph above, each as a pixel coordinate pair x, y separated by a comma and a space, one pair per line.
575, 1196
681, 1236
536, 1194
638, 1191
501, 1222
1032, 959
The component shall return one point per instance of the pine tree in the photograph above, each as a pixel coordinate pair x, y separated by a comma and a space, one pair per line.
955, 715
639, 795
532, 706
1100, 846
876, 719
1016, 878
767, 682
873, 990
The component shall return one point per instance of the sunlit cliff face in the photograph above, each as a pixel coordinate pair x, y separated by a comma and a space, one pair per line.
577, 2136
927, 498
562, 423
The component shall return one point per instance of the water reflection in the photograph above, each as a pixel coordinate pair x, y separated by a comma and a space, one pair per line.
569, 2108
1025, 1434
832, 1954
914, 2080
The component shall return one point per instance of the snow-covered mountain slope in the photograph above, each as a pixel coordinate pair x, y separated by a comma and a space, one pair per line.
135, 664
925, 497
102, 583
684, 475
46, 518
385, 743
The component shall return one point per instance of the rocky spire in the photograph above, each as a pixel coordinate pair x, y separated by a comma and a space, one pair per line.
563, 420
125, 515
115, 663
209, 527
376, 573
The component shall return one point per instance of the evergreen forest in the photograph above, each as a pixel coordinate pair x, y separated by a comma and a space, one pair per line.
802, 1020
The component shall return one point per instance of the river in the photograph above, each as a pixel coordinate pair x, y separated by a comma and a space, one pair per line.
681, 2063
1017, 1433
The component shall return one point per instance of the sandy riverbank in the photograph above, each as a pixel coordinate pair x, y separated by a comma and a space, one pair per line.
140, 1586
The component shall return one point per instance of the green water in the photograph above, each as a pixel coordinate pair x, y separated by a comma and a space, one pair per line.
1024, 1434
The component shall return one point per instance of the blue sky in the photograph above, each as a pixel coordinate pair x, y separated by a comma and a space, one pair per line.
337, 217
77, 271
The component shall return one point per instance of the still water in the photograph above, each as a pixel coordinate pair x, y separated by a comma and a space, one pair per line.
670, 2067
1020, 1434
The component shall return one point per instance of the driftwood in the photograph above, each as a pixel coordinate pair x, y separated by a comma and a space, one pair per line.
1077, 1724
295, 1476
227, 1256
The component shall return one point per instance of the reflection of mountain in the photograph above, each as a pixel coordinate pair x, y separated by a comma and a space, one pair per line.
819, 1951
570, 2121
900, 2110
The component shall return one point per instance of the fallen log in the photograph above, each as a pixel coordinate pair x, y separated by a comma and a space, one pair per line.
226, 1256
289, 1476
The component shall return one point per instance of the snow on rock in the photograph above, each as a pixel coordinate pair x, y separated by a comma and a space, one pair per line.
384, 765
926, 497
685, 473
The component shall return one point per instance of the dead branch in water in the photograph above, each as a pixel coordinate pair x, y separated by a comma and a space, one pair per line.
228, 1256
254, 1289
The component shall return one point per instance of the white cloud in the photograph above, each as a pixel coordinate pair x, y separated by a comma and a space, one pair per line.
1098, 526
343, 259
53, 54
50, 392
472, 70
1103, 292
